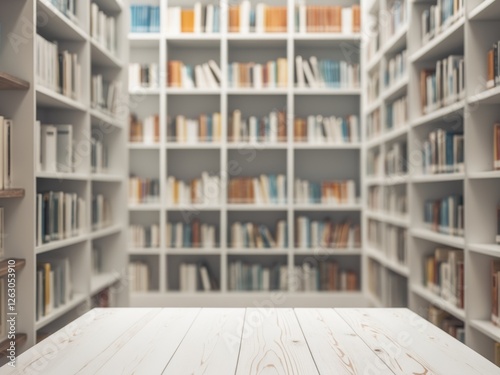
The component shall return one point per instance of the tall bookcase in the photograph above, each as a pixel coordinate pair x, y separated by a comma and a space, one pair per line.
471, 35
187, 161
20, 23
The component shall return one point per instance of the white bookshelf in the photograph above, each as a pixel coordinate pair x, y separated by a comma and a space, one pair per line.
39, 103
293, 159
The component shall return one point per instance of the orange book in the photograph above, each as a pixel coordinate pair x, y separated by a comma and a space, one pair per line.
234, 19
203, 128
195, 233
338, 19
187, 20
356, 16
176, 192
491, 68
157, 128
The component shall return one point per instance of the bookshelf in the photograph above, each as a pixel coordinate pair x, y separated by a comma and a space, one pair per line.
187, 161
26, 99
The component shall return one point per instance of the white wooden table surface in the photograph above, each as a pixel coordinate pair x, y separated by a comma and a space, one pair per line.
250, 341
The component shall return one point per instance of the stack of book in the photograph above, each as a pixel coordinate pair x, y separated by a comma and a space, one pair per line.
496, 146
396, 160
397, 13
375, 198
195, 277
98, 155
326, 73
373, 89
397, 114
265, 189
105, 94
144, 236
146, 131
493, 66
439, 17
56, 148
375, 164
261, 19
53, 285
323, 276
327, 129
396, 244
315, 233
142, 76
199, 19
6, 129
375, 234
138, 276
328, 19
204, 76
395, 202
203, 190
258, 236
143, 190
446, 322
57, 70
101, 212
267, 129
144, 19
445, 215
444, 275
272, 74
191, 235
325, 192
443, 85
102, 28
373, 125
396, 69
66, 7
59, 215
206, 128
243, 276
443, 152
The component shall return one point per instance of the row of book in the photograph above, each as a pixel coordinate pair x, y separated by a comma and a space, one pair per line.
144, 236
59, 215
146, 131
325, 192
258, 236
143, 190
445, 215
327, 129
444, 275
199, 19
443, 85
326, 73
396, 69
103, 28
55, 148
269, 129
261, 19
397, 14
139, 277
395, 202
141, 76
375, 198
191, 235
328, 19
312, 233
244, 276
493, 66
374, 163
204, 129
396, 159
373, 87
58, 70
323, 276
373, 125
6, 130
396, 244
101, 212
104, 94
265, 189
439, 17
203, 76
446, 322
144, 19
196, 277
66, 7
271, 74
204, 190
397, 113
53, 285
443, 152
99, 161
376, 234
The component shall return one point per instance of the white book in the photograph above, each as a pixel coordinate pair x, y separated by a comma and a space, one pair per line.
311, 125
236, 125
300, 72
315, 70
205, 279
347, 20
198, 13
245, 17
174, 20
209, 78
64, 148
302, 18
201, 83
273, 127
209, 21
253, 129
266, 279
257, 76
260, 18
7, 153
48, 139
257, 191
309, 75
216, 71
186, 79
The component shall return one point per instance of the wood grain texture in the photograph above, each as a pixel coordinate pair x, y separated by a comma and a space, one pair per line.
408, 344
273, 343
150, 349
211, 345
12, 193
8, 82
335, 347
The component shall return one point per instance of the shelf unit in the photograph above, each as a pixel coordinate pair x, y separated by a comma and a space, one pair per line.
26, 102
472, 34
187, 161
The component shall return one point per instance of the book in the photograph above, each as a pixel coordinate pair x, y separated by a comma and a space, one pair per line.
397, 17
272, 74
445, 215
248, 235
396, 69
497, 237
143, 190
446, 322
443, 152
197, 277
54, 284
142, 76
103, 28
144, 236
397, 114
396, 245
396, 163
493, 66
264, 189
101, 212
203, 76
323, 276
327, 73
246, 17
329, 18
194, 234
56, 148
325, 192
496, 146
139, 276
98, 155
105, 95
318, 129
373, 125
326, 233
146, 131
204, 190
437, 18
206, 128
144, 19
270, 128
246, 276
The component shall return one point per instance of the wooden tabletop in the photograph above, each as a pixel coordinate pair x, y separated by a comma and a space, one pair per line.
251, 341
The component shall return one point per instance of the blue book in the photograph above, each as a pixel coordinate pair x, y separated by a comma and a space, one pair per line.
262, 231
187, 235
216, 19
209, 128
